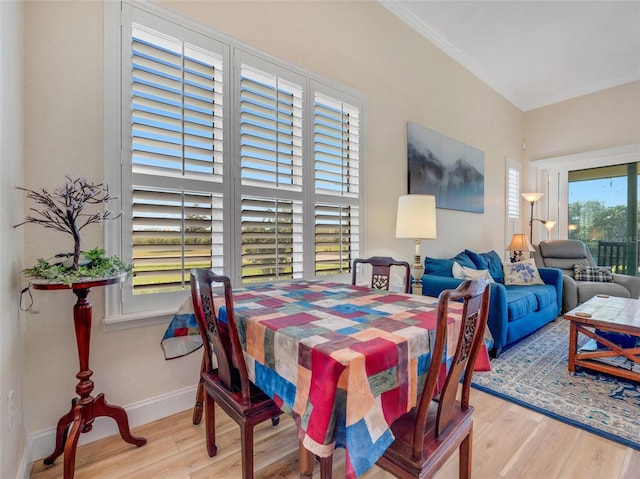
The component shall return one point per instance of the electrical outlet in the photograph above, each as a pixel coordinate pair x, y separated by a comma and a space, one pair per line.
10, 410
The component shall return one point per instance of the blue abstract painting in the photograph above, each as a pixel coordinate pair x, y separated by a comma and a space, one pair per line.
446, 168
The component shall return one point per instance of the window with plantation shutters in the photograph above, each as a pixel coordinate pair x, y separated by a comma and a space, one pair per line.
336, 128
230, 160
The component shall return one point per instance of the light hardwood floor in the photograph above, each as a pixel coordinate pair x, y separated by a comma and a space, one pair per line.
508, 442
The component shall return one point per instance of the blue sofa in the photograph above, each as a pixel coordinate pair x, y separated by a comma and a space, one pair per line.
515, 311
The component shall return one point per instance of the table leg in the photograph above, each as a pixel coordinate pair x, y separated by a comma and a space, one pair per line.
307, 461
61, 434
85, 408
573, 346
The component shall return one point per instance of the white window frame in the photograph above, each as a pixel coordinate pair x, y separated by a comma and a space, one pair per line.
117, 236
512, 194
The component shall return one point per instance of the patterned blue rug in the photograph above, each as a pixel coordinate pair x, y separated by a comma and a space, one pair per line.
534, 374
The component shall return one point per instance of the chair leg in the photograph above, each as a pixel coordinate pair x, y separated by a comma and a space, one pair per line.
210, 425
246, 442
326, 467
465, 456
199, 406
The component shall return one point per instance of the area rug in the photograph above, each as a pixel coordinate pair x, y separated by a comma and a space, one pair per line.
533, 374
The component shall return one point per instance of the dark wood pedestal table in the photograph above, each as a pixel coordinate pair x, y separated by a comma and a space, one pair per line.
86, 408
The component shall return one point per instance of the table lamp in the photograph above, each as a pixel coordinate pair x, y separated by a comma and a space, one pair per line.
519, 243
416, 220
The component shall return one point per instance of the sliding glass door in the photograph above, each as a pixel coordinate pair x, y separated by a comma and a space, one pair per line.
603, 212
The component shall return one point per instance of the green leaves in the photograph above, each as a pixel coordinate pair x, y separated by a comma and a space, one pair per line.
99, 266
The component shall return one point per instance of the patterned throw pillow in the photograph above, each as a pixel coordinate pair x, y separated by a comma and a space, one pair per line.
582, 272
521, 272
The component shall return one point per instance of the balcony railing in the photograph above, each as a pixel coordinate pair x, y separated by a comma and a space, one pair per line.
615, 255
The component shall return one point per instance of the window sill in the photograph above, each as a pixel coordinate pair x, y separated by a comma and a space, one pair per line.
137, 320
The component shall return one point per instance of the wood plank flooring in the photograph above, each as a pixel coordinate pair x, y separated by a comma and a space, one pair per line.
509, 442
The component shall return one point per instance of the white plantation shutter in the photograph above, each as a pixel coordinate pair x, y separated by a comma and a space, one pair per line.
176, 117
271, 239
270, 130
513, 193
174, 231
336, 128
271, 172
176, 159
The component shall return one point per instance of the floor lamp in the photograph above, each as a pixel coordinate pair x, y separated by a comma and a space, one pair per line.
531, 198
548, 224
416, 220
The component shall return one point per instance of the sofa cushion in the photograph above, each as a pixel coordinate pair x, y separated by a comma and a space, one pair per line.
464, 260
490, 261
439, 267
522, 300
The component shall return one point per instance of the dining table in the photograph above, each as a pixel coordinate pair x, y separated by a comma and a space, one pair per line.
345, 361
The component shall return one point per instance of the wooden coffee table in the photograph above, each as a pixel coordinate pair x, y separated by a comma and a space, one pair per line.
606, 314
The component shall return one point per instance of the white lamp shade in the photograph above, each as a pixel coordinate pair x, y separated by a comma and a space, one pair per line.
416, 217
532, 197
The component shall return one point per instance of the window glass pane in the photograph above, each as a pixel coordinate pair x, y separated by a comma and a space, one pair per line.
174, 232
598, 215
336, 238
271, 239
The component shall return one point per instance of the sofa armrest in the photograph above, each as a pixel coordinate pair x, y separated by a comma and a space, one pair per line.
554, 277
632, 283
570, 296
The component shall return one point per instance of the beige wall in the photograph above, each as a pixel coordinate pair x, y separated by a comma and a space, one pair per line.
592, 122
12, 440
404, 77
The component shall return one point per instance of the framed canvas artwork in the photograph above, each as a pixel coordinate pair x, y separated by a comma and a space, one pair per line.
444, 167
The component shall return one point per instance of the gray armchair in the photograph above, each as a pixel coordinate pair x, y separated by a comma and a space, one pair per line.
564, 254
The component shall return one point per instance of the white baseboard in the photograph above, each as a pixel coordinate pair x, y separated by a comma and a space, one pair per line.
41, 444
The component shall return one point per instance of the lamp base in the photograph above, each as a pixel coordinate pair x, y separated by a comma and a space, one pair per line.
517, 256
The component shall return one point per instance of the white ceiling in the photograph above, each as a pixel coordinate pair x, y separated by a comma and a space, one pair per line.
534, 53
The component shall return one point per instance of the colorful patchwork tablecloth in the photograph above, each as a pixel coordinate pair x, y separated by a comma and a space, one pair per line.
345, 361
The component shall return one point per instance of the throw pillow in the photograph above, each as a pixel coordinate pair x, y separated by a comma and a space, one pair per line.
464, 260
582, 272
462, 272
491, 261
439, 267
521, 273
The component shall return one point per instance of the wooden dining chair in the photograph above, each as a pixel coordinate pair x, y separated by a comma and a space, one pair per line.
381, 271
228, 385
440, 423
